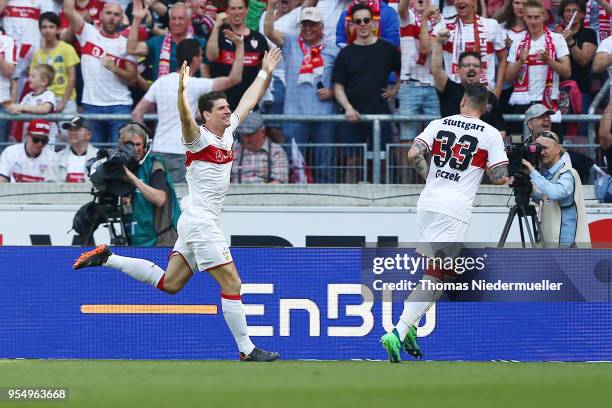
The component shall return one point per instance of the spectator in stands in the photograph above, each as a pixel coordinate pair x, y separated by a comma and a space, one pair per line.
29, 162
156, 21
40, 100
201, 22
360, 86
8, 61
417, 94
256, 158
603, 58
471, 32
155, 208
107, 69
451, 93
512, 20
64, 60
385, 23
167, 142
221, 52
582, 44
536, 63
309, 61
20, 21
598, 17
69, 164
285, 15
161, 49
90, 10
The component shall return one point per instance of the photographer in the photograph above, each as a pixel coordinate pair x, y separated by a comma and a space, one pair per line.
155, 208
559, 191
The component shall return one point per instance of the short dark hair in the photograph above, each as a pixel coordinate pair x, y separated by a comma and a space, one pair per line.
360, 6
187, 50
477, 95
50, 17
565, 3
207, 101
466, 54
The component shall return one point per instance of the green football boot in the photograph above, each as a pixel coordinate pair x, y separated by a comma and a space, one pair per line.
393, 345
411, 344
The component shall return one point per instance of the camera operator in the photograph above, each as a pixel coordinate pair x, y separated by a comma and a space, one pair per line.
155, 208
559, 191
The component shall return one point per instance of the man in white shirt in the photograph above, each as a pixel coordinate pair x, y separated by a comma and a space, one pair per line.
536, 63
603, 58
167, 141
461, 147
106, 66
69, 164
30, 161
201, 244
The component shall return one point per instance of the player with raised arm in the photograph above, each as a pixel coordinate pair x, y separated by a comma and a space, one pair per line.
201, 245
461, 146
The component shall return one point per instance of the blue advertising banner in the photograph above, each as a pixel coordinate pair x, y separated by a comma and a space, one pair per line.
306, 303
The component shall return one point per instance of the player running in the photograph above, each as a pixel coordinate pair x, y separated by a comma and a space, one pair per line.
201, 245
461, 147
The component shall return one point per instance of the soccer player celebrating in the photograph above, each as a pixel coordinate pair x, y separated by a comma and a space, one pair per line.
201, 245
461, 146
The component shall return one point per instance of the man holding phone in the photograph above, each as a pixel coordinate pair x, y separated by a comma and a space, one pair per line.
309, 61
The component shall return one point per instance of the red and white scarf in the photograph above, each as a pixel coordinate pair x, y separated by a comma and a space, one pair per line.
166, 52
374, 5
521, 83
480, 45
312, 63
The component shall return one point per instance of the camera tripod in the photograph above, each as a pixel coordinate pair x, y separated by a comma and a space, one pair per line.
525, 212
109, 212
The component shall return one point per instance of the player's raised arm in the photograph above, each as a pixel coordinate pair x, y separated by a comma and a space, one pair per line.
188, 124
252, 95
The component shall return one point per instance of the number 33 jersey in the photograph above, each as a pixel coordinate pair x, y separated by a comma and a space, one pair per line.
461, 147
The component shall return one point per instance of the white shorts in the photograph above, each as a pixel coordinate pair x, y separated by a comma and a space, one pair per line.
441, 234
201, 243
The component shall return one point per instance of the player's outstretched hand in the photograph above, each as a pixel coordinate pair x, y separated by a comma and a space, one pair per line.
184, 77
271, 59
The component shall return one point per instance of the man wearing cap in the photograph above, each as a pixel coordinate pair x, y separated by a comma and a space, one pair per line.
256, 158
30, 161
69, 164
557, 186
309, 62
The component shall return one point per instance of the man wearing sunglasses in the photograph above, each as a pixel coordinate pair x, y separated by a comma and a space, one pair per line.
558, 188
30, 161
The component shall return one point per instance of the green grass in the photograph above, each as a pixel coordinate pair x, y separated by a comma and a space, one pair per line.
222, 384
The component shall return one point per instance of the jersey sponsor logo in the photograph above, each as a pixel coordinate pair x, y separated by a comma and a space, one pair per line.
211, 154
98, 52
75, 178
251, 59
26, 178
22, 12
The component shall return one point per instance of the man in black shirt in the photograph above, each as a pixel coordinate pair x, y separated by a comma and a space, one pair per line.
222, 52
360, 82
451, 93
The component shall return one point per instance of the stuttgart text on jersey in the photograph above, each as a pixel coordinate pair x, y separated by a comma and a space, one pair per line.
463, 125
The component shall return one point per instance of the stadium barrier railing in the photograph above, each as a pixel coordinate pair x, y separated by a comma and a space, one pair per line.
377, 154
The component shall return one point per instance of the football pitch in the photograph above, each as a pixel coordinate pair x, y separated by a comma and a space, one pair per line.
95, 383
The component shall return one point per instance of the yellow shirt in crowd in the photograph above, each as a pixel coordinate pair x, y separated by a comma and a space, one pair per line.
62, 57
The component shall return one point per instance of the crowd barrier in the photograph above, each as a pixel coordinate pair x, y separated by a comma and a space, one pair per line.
306, 303
377, 153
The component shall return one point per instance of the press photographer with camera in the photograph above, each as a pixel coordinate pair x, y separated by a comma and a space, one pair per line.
155, 208
558, 189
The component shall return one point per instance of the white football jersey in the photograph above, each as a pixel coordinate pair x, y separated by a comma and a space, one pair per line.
16, 165
461, 147
209, 166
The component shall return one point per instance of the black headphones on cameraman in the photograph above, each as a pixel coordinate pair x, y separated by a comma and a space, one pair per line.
148, 137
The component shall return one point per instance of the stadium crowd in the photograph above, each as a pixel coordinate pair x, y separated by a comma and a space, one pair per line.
340, 56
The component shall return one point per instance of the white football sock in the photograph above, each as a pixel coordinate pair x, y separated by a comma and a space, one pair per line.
139, 269
233, 312
416, 305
